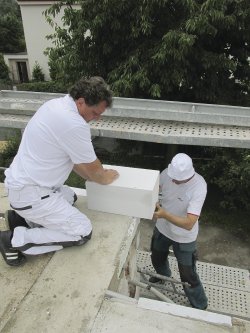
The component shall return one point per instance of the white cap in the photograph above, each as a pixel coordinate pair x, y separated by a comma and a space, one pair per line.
181, 167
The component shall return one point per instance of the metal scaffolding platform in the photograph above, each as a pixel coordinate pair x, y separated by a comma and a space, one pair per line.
172, 132
227, 288
168, 122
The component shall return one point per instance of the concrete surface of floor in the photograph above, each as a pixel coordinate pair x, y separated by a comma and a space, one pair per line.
65, 292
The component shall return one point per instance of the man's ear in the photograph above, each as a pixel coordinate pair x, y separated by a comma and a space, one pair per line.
80, 101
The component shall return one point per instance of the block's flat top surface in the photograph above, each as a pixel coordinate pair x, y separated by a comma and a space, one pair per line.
134, 178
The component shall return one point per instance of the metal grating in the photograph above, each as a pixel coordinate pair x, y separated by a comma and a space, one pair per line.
160, 131
164, 127
227, 288
164, 131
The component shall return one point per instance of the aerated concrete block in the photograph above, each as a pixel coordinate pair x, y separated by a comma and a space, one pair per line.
134, 193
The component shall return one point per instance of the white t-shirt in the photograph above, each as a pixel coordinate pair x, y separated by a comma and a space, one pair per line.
56, 138
180, 200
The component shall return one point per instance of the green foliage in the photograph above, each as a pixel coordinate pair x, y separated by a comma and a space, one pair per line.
9, 6
189, 50
229, 170
50, 86
232, 221
4, 71
37, 73
75, 181
55, 66
9, 151
11, 28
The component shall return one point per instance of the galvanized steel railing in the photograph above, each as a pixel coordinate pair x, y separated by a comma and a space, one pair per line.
147, 120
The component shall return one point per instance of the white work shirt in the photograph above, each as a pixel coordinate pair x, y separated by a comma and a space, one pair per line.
56, 138
180, 200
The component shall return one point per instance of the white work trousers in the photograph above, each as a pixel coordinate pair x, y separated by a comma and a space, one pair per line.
52, 219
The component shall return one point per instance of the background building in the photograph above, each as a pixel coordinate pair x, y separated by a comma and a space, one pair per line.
36, 30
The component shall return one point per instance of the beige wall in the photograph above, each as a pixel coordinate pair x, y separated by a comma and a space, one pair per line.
35, 30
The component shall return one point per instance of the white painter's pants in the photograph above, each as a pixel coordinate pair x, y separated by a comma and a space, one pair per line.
51, 216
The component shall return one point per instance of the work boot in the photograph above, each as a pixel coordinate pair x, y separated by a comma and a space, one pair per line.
13, 220
11, 256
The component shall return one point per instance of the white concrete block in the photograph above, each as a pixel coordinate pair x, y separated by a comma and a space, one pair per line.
134, 193
186, 312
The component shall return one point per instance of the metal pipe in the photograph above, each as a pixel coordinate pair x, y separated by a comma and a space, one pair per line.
162, 277
163, 287
156, 292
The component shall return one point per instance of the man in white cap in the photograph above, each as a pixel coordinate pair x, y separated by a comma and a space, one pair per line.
183, 194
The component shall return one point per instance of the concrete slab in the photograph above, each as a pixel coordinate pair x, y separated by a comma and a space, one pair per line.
66, 292
117, 316
4, 203
184, 311
15, 284
63, 293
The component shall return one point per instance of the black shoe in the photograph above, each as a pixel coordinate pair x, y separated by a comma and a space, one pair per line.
84, 239
204, 309
75, 198
155, 280
13, 220
11, 256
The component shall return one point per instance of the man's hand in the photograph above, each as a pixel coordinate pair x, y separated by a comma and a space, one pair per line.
110, 176
95, 172
159, 212
186, 222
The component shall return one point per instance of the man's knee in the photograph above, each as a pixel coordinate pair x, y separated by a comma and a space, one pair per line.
77, 224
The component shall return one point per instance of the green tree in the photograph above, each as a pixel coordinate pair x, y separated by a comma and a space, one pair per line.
9, 6
4, 71
37, 73
189, 50
229, 171
11, 28
55, 68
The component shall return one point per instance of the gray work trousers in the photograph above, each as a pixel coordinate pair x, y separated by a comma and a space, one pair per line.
186, 256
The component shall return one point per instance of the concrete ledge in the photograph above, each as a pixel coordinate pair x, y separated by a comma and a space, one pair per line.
120, 316
140, 108
183, 311
64, 292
